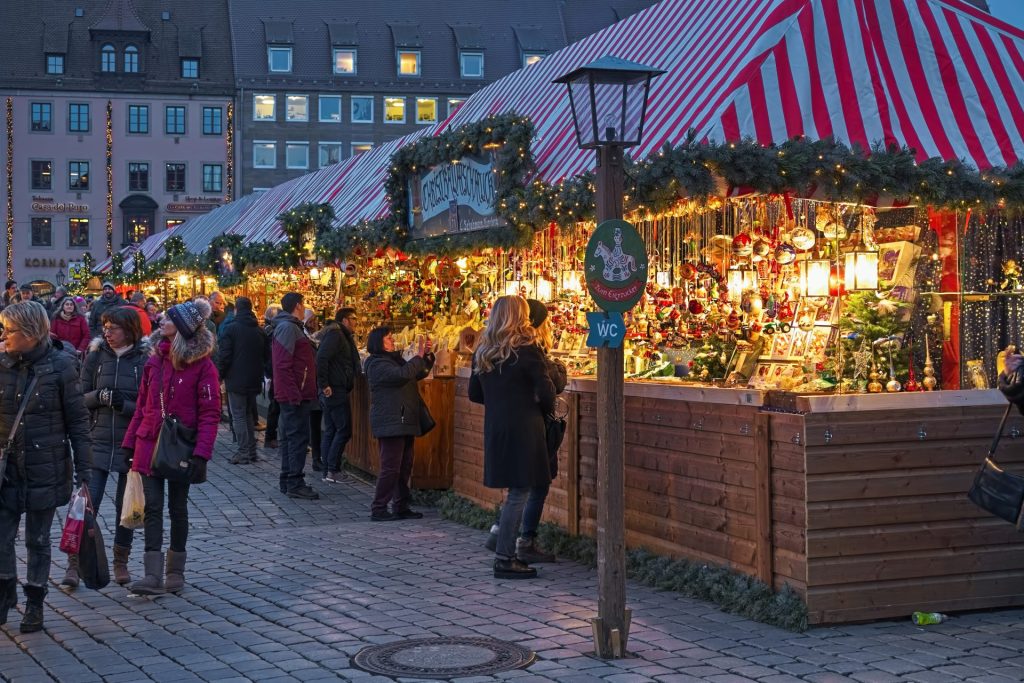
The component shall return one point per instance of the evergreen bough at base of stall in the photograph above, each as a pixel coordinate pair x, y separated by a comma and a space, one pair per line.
731, 591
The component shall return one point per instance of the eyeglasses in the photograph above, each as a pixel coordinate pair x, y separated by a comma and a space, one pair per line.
10, 331
111, 328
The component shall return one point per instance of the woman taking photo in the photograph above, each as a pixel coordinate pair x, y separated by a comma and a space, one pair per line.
70, 326
395, 409
510, 377
180, 380
110, 383
37, 475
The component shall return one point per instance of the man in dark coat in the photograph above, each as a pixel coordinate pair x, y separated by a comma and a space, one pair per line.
240, 360
109, 299
337, 366
37, 474
294, 368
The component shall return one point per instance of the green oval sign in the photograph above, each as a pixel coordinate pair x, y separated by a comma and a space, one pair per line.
616, 266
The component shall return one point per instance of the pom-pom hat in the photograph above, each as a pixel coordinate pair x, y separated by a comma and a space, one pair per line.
186, 318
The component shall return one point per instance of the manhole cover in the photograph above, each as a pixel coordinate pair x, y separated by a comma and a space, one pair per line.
442, 658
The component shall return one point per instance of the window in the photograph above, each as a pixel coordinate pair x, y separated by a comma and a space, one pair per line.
408, 62
531, 58
330, 108
78, 118
263, 107
394, 110
42, 175
213, 178
213, 121
362, 109
296, 155
173, 223
296, 107
426, 110
279, 59
138, 118
108, 59
264, 154
42, 232
454, 103
175, 177
358, 147
190, 68
345, 61
42, 117
137, 227
471, 64
78, 232
174, 120
131, 60
330, 153
55, 64
138, 176
78, 175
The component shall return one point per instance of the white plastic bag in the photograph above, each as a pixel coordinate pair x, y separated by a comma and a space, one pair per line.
133, 507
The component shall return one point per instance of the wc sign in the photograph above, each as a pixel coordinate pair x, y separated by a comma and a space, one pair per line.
606, 329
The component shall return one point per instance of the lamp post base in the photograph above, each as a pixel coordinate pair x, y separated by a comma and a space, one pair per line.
610, 643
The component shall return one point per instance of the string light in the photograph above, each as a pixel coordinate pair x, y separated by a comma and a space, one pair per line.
110, 178
229, 187
10, 188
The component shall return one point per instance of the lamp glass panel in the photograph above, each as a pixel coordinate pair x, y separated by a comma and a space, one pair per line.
861, 271
814, 277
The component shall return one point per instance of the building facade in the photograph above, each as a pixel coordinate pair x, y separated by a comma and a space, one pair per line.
118, 124
321, 81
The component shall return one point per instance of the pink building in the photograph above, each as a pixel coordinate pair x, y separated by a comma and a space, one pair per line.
118, 121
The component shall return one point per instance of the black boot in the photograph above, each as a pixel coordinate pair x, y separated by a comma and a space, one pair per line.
512, 569
33, 619
529, 552
8, 597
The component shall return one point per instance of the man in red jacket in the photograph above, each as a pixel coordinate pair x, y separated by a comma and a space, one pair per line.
294, 368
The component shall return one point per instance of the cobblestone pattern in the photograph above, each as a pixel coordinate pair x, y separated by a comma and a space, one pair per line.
286, 590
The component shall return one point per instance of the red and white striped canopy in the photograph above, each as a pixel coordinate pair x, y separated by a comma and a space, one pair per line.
939, 76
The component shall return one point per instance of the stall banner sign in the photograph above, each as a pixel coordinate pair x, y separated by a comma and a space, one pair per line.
616, 266
606, 329
454, 197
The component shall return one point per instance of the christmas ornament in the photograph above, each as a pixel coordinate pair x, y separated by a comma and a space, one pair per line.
929, 380
785, 253
761, 247
803, 239
861, 360
874, 386
742, 245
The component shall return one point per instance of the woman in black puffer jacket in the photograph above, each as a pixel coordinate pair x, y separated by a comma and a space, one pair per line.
395, 406
110, 382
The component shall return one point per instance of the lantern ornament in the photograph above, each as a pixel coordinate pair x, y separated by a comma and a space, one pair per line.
814, 276
861, 272
608, 98
739, 279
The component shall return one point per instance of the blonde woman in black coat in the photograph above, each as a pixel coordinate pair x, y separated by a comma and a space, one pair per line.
510, 377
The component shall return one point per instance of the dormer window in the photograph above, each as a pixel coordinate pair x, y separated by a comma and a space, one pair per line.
55, 64
108, 59
131, 60
279, 59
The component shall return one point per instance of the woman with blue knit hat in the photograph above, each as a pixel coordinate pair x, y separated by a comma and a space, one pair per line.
180, 379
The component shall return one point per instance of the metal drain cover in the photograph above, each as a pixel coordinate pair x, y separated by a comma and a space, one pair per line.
442, 658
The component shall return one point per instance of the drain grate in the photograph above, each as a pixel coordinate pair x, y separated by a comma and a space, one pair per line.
442, 658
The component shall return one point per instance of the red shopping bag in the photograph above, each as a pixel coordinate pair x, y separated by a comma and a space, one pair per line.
74, 526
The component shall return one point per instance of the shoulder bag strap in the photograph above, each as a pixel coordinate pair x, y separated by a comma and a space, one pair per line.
999, 434
21, 411
160, 390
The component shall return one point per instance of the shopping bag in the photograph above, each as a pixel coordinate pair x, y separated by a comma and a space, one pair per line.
133, 505
92, 556
74, 525
997, 491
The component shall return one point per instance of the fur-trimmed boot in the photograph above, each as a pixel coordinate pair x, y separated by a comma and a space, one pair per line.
70, 579
8, 597
153, 582
33, 619
175, 579
120, 565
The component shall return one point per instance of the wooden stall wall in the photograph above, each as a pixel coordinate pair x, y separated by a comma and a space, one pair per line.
789, 501
889, 527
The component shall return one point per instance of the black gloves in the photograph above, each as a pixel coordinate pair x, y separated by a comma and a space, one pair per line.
117, 400
198, 475
129, 454
428, 359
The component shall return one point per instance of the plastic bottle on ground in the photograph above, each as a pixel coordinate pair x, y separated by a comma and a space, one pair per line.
928, 618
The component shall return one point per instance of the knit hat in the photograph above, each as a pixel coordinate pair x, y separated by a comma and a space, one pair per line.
186, 318
538, 312
108, 283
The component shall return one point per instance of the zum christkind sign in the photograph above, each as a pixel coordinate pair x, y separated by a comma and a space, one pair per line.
615, 268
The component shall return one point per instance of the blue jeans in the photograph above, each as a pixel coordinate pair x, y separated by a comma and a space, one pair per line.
533, 510
177, 510
241, 407
337, 430
508, 523
294, 432
37, 542
97, 485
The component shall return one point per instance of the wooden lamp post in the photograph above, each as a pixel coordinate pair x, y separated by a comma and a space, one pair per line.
608, 98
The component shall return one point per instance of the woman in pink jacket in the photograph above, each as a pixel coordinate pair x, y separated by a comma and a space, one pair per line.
180, 370
70, 326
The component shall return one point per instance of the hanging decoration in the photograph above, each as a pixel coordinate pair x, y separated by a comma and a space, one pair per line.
110, 178
10, 188
229, 162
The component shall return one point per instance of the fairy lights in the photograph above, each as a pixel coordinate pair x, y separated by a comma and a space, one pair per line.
110, 178
229, 141
10, 188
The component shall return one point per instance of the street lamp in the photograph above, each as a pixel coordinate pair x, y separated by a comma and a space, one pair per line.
61, 278
608, 99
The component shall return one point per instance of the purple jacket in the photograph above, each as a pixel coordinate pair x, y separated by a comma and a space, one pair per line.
192, 394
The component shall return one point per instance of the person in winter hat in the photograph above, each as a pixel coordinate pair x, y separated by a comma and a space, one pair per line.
240, 361
182, 374
109, 299
37, 475
70, 326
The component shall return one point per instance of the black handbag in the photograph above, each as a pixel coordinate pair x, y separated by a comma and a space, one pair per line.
997, 491
427, 422
554, 433
175, 445
92, 554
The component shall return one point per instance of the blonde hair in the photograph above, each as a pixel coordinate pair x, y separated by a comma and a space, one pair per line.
508, 328
30, 318
544, 334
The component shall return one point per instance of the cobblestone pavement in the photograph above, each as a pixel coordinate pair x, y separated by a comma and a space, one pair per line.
287, 590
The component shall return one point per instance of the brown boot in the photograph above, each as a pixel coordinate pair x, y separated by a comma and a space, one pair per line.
120, 564
175, 579
71, 579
